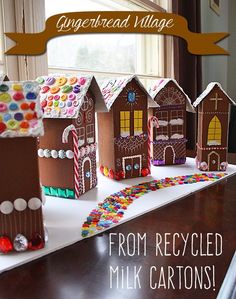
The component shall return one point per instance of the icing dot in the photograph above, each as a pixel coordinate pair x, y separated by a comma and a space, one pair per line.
54, 154
6, 207
20, 204
34, 203
69, 154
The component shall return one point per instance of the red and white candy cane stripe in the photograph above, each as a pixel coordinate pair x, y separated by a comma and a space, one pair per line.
65, 136
152, 123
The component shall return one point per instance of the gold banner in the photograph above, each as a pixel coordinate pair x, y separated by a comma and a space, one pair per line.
116, 22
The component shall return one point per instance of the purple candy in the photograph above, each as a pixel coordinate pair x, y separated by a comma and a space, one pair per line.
50, 80
76, 89
18, 116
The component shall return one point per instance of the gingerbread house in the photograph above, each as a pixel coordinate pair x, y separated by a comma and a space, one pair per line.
213, 119
123, 130
21, 223
67, 151
169, 139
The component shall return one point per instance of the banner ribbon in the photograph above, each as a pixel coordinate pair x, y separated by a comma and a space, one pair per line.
116, 22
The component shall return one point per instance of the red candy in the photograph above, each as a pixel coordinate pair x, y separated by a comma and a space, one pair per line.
44, 89
145, 172
32, 106
5, 245
2, 127
36, 242
111, 174
18, 96
101, 169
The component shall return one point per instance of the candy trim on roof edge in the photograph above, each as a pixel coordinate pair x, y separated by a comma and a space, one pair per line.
126, 79
208, 89
162, 84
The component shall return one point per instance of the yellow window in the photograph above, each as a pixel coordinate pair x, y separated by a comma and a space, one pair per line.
138, 122
214, 132
124, 123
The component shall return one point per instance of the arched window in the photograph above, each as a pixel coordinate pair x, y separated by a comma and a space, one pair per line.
214, 132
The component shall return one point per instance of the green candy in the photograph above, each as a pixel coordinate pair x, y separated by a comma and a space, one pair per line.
40, 80
66, 88
4, 88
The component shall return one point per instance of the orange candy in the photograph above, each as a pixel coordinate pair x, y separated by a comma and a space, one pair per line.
24, 125
72, 80
29, 116
24, 106
54, 89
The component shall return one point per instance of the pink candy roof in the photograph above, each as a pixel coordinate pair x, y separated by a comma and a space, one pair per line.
62, 95
112, 88
161, 83
20, 111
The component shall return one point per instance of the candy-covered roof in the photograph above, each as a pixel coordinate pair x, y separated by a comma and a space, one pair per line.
20, 110
209, 88
62, 95
161, 83
113, 87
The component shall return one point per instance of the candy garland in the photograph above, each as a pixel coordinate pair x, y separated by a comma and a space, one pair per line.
112, 209
152, 122
76, 154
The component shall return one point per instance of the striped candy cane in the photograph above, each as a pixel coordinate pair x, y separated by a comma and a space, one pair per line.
65, 136
152, 123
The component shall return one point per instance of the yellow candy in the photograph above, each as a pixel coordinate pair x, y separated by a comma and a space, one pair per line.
105, 171
17, 87
5, 97
61, 81
63, 97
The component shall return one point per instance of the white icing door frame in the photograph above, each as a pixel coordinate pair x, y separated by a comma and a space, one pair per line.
169, 146
132, 157
91, 173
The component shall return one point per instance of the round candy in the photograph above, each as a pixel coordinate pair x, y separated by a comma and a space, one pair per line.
66, 88
4, 87
24, 125
68, 104
17, 87
6, 207
61, 104
76, 89
44, 89
5, 98
50, 80
72, 96
63, 97
34, 203
20, 204
12, 124
72, 80
40, 80
44, 103
31, 96
18, 116
7, 117
13, 107
5, 244
29, 116
56, 97
36, 242
61, 81
3, 107
40, 152
62, 154
47, 153
54, 89
82, 81
145, 172
55, 104
28, 86
32, 106
2, 127
105, 171
54, 154
69, 154
18, 96
24, 106
71, 111
20, 243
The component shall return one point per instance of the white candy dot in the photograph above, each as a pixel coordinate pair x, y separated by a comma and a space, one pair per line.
62, 154
40, 153
69, 154
20, 204
6, 207
54, 154
34, 203
47, 153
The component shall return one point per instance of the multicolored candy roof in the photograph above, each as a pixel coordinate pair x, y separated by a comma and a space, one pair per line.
161, 83
20, 111
113, 87
61, 95
209, 88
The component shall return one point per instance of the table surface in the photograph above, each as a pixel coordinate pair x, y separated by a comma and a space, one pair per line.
82, 270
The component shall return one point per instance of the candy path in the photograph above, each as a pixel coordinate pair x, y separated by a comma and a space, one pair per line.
112, 209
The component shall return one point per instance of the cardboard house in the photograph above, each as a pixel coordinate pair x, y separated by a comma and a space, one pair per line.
169, 139
213, 119
21, 223
123, 130
67, 151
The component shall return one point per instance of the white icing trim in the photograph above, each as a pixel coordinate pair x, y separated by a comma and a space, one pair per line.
177, 136
62, 154
208, 89
209, 158
163, 123
176, 121
162, 137
213, 142
161, 83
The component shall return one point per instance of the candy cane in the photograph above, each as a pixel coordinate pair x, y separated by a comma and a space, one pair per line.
65, 136
152, 123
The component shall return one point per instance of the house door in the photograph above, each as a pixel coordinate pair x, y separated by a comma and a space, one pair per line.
169, 155
87, 174
213, 161
132, 166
